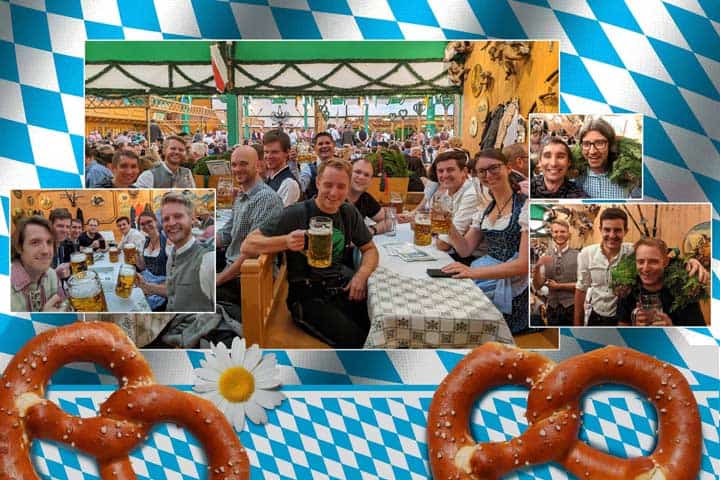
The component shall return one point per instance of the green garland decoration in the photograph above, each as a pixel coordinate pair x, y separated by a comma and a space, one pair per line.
686, 289
627, 167
264, 86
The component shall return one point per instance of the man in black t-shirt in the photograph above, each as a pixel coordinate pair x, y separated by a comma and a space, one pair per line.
92, 238
362, 173
328, 302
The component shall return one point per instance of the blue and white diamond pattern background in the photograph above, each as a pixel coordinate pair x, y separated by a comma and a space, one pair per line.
373, 433
659, 58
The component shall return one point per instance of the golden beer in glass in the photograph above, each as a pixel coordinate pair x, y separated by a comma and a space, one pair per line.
396, 201
125, 281
89, 255
224, 193
320, 245
85, 292
114, 254
440, 222
78, 262
423, 230
130, 253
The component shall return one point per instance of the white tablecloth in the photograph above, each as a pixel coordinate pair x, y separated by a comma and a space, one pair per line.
408, 309
108, 273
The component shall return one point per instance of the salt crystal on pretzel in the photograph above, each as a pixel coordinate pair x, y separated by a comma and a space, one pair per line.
125, 417
554, 415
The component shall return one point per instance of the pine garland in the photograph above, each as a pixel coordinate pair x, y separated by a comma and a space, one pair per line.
626, 169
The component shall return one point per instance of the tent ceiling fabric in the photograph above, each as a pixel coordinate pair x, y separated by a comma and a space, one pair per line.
269, 68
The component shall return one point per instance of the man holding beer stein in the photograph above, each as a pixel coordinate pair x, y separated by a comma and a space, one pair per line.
35, 285
131, 242
326, 295
188, 260
92, 238
650, 304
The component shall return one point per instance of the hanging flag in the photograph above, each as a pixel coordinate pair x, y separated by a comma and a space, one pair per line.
219, 68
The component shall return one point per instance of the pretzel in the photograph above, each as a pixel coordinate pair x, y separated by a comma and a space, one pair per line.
125, 417
554, 416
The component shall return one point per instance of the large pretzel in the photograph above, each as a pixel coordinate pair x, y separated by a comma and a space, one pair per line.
554, 413
125, 417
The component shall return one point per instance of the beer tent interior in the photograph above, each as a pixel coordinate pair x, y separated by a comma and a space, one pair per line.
321, 71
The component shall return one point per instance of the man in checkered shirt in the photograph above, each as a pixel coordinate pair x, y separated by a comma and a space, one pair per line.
255, 203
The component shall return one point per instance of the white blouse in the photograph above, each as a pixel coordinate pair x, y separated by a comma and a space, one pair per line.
502, 222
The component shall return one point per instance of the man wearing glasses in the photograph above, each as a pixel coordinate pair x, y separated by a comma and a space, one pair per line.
558, 272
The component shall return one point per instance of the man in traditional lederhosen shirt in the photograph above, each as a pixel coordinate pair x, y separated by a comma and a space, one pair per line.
558, 272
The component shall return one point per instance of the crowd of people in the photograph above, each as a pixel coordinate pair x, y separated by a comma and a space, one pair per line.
278, 199
579, 283
174, 269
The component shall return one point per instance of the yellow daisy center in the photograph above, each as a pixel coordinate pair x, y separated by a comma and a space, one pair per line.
236, 384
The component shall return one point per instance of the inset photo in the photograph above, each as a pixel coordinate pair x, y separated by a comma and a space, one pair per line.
122, 251
586, 156
641, 264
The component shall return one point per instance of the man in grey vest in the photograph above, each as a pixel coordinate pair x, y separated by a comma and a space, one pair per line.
277, 151
558, 272
191, 266
169, 174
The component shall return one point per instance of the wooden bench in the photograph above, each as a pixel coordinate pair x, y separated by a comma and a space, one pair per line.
266, 319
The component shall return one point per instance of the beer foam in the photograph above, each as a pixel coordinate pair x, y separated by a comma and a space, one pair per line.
88, 285
77, 257
320, 230
129, 246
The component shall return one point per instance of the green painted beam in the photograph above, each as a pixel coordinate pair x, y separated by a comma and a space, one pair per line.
259, 51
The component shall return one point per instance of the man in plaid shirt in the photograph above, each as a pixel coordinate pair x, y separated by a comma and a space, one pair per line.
255, 203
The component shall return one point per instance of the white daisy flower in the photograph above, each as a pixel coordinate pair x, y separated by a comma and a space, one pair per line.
239, 382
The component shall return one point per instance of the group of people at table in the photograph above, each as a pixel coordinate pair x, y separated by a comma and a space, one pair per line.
53, 258
279, 213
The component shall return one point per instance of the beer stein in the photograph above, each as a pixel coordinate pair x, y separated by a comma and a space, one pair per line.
129, 252
114, 254
319, 242
224, 193
89, 255
125, 281
396, 201
78, 262
423, 229
441, 213
85, 292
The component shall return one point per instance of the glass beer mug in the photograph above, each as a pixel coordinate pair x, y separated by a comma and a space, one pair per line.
396, 201
114, 254
224, 193
423, 229
85, 292
441, 213
320, 242
78, 262
89, 255
125, 281
129, 252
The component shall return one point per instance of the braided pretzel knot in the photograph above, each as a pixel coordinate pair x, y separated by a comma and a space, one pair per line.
125, 417
554, 414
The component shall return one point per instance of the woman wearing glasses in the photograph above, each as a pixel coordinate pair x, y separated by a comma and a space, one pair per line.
153, 261
599, 148
554, 162
503, 225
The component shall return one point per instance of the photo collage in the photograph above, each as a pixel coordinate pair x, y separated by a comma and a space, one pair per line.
351, 242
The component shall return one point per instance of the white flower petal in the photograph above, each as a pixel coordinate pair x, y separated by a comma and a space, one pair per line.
238, 351
267, 398
207, 374
223, 357
268, 361
252, 357
211, 362
204, 387
238, 416
255, 412
267, 382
